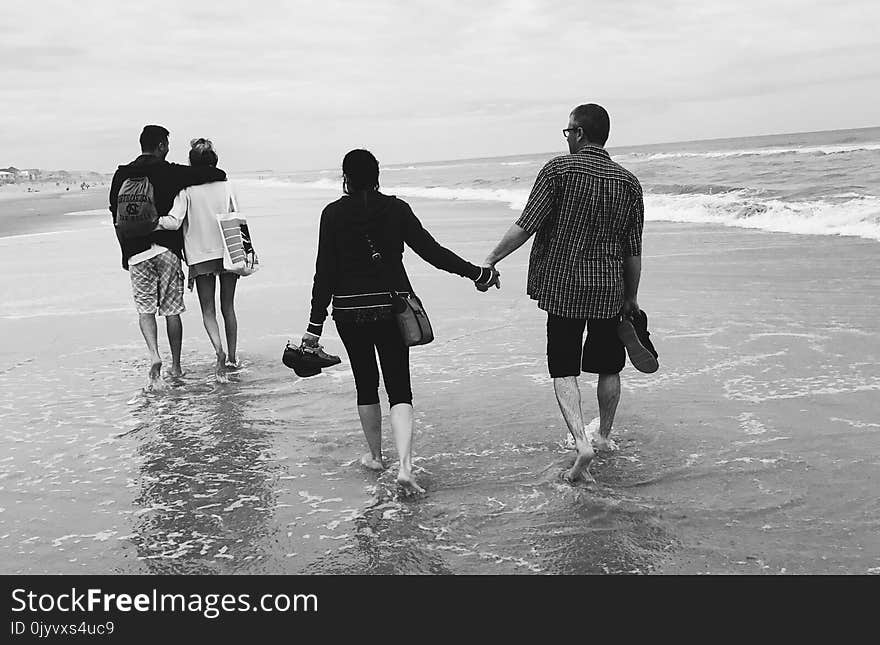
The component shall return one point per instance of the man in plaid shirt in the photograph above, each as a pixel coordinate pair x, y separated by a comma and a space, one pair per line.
586, 213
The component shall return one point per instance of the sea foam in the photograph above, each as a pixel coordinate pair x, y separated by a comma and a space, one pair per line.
857, 216
748, 152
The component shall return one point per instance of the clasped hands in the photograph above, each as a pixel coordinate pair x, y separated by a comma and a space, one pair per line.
494, 279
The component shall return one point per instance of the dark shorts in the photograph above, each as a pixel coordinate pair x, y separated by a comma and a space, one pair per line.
602, 352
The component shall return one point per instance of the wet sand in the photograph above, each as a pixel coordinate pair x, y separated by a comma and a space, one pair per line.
51, 209
752, 450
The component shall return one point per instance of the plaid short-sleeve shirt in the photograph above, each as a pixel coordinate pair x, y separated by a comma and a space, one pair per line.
587, 214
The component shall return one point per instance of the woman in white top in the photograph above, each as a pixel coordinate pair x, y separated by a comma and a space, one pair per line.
196, 209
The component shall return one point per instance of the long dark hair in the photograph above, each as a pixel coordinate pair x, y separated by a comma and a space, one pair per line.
361, 172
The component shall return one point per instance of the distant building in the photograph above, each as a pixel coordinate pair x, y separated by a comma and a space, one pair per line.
14, 174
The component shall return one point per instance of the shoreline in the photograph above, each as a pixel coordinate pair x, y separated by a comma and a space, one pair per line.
28, 189
46, 212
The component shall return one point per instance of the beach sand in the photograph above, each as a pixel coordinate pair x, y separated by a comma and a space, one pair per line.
754, 448
51, 208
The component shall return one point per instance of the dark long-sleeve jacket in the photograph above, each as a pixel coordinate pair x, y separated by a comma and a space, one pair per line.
347, 275
167, 179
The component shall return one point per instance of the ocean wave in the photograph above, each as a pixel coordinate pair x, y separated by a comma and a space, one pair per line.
94, 211
14, 314
858, 216
15, 237
515, 198
761, 152
687, 189
444, 165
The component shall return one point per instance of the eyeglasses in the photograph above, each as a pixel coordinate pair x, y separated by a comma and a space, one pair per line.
567, 130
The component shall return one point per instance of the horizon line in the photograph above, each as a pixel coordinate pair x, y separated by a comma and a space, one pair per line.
516, 154
633, 145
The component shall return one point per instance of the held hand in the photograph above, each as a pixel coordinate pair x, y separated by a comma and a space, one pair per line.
310, 340
494, 280
630, 307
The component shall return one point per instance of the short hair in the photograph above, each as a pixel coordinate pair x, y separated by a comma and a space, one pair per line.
152, 136
202, 153
362, 170
594, 121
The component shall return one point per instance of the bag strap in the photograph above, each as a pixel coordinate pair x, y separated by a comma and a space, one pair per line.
233, 204
377, 255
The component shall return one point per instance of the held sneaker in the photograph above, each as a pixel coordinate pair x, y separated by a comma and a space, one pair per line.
293, 358
317, 357
633, 332
307, 361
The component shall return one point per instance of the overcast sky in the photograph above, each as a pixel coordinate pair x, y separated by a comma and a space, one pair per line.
294, 85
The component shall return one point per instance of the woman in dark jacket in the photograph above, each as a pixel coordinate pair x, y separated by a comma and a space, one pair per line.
353, 228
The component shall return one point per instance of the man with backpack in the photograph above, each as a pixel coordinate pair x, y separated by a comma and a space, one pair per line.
141, 192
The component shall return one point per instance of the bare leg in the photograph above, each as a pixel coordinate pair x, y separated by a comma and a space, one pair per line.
401, 425
206, 286
227, 308
568, 395
608, 393
371, 422
174, 327
150, 332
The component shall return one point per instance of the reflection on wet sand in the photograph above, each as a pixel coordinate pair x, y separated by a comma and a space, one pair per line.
206, 477
505, 510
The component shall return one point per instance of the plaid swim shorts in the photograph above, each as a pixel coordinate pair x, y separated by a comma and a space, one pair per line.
157, 285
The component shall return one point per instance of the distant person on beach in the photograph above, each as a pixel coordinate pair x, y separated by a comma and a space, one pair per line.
587, 213
195, 209
358, 286
153, 260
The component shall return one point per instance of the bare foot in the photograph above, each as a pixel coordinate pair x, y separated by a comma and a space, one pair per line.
232, 363
175, 372
409, 485
220, 368
155, 382
603, 444
368, 461
591, 430
580, 471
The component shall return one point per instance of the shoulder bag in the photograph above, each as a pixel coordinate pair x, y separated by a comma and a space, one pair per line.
412, 320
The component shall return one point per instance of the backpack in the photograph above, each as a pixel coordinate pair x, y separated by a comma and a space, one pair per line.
136, 214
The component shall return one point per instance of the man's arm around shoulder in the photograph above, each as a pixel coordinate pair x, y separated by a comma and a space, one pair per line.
185, 176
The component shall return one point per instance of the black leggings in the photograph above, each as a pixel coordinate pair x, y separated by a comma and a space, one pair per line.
361, 341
